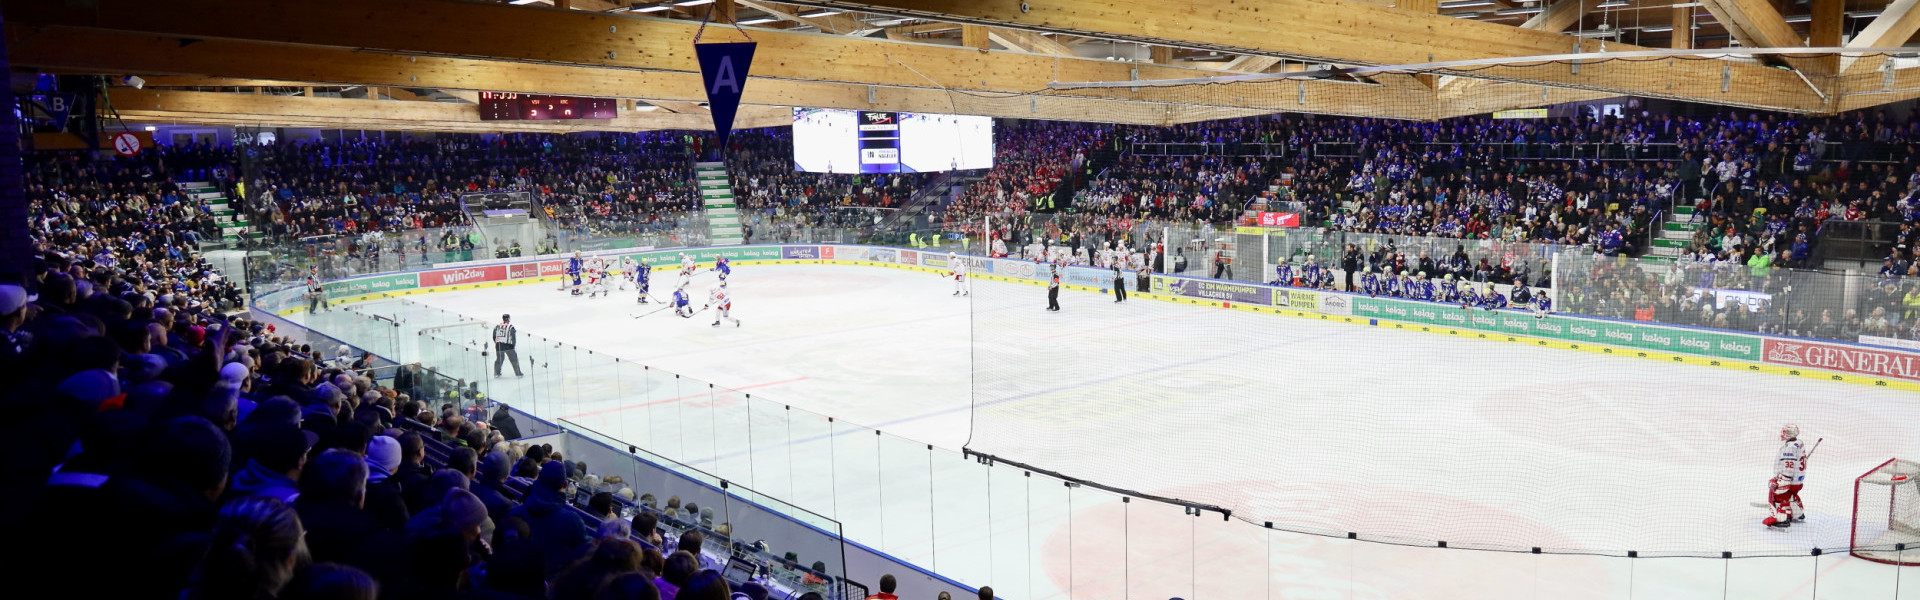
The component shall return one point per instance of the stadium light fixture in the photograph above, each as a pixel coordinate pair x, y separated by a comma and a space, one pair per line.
648, 9
759, 21
1798, 18
692, 2
824, 12
1611, 4
1658, 29
1518, 11
1466, 4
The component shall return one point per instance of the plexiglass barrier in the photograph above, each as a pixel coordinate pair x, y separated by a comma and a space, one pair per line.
771, 470
1028, 534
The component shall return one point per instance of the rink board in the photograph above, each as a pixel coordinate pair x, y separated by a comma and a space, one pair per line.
1794, 357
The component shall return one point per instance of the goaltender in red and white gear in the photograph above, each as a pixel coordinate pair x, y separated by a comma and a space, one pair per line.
1789, 475
957, 269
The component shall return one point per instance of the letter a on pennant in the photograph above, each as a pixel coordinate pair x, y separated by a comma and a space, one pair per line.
723, 71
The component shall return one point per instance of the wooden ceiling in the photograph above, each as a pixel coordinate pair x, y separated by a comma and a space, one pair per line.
992, 57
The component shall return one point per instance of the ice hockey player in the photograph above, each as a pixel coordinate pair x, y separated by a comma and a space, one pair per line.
596, 280
1493, 300
724, 267
1282, 273
642, 278
627, 270
1420, 288
722, 304
687, 269
574, 266
957, 269
1448, 291
1370, 282
1789, 475
682, 304
1542, 305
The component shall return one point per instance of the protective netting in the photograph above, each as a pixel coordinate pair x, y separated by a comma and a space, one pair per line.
1812, 82
1406, 422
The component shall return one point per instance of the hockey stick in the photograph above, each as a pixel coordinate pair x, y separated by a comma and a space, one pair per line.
1816, 446
651, 312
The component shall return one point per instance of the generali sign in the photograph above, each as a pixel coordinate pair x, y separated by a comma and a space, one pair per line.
1849, 359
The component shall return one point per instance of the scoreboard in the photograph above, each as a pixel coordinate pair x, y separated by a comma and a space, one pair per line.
508, 106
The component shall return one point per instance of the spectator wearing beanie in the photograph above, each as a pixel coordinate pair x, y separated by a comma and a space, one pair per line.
491, 486
385, 500
557, 530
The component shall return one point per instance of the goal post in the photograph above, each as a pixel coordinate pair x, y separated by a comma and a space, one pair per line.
1886, 513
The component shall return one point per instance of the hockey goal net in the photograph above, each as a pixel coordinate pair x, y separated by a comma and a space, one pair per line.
1886, 513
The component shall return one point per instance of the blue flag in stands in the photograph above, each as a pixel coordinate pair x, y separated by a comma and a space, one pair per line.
723, 71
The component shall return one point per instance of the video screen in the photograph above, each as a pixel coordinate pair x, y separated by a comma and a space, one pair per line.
848, 141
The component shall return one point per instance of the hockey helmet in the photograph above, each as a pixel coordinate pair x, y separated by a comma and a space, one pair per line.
1789, 431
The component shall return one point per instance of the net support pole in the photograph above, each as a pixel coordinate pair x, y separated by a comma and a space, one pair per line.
1553, 280
986, 235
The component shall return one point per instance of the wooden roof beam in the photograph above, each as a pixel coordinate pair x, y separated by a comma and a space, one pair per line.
839, 24
1337, 31
1754, 22
104, 53
1895, 25
377, 114
1027, 41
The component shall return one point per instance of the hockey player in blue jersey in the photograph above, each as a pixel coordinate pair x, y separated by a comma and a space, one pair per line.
574, 267
725, 268
1370, 282
1493, 300
682, 305
1542, 305
1283, 273
1422, 288
1447, 291
642, 278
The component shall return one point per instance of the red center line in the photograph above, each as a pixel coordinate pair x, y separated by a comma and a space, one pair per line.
668, 400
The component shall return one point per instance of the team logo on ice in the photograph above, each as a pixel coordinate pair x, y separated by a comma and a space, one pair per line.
1783, 352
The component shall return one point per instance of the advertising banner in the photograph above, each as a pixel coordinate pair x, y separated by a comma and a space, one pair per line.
1336, 304
372, 285
1024, 269
885, 255
1215, 290
1098, 278
933, 260
909, 257
1890, 342
799, 252
1850, 359
1649, 337
1277, 219
1296, 299
463, 276
826, 253
530, 270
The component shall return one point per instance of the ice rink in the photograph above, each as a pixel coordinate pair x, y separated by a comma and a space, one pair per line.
1321, 427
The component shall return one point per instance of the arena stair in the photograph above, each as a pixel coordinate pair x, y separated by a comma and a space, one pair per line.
716, 193
1675, 234
232, 222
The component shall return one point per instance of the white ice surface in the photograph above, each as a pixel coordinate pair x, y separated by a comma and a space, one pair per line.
1629, 451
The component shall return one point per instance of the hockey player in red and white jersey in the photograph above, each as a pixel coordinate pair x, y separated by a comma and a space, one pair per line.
597, 279
957, 269
722, 305
1789, 475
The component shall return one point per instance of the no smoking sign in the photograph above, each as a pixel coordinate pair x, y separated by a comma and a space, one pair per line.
126, 144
